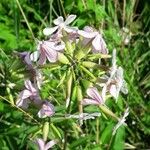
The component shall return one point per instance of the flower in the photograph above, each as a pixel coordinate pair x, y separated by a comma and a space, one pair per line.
61, 24
49, 50
42, 146
98, 43
29, 92
114, 83
121, 121
96, 98
117, 83
47, 110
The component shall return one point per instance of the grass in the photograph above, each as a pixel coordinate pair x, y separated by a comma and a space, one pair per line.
22, 21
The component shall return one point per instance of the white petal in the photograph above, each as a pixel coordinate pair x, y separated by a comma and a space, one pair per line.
70, 19
29, 86
124, 89
34, 56
85, 34
50, 144
87, 101
70, 29
59, 20
49, 31
113, 91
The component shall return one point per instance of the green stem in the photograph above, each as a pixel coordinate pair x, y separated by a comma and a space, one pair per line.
88, 72
18, 3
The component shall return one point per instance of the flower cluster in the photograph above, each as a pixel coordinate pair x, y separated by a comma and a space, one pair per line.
71, 46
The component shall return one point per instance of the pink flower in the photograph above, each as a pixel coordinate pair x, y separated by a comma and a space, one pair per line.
29, 92
49, 50
61, 24
98, 43
42, 146
47, 110
95, 97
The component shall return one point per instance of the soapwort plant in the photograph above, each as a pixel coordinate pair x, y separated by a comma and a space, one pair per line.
81, 59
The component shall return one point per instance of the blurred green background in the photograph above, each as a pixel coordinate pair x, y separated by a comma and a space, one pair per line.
125, 25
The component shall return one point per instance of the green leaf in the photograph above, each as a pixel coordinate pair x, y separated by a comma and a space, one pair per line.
119, 143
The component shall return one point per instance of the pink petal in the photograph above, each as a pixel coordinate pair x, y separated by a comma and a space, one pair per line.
94, 94
88, 29
60, 47
70, 29
47, 110
22, 102
50, 144
42, 59
99, 45
49, 31
59, 20
25, 94
54, 46
85, 34
51, 55
40, 143
87, 101
27, 59
113, 91
29, 86
70, 19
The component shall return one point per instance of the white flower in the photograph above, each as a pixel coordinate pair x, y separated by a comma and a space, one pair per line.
98, 43
61, 24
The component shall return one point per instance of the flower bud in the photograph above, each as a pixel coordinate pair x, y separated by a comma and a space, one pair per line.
45, 130
63, 59
108, 112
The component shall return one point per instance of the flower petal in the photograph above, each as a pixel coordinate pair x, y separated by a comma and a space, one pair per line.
87, 101
99, 45
70, 19
70, 29
29, 86
51, 55
21, 101
42, 59
85, 34
27, 59
49, 31
59, 20
94, 94
47, 110
34, 56
113, 91
40, 143
50, 144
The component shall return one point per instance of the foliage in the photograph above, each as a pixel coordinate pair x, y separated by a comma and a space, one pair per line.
18, 128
